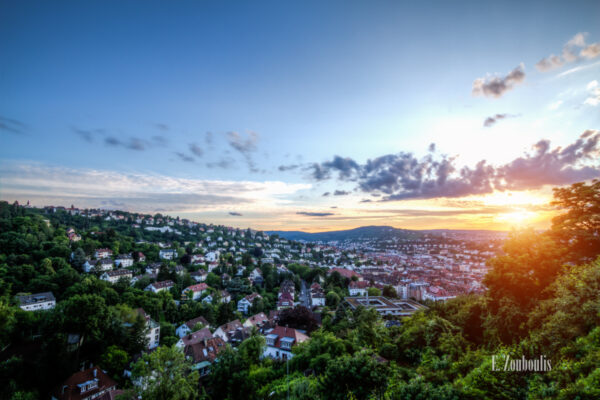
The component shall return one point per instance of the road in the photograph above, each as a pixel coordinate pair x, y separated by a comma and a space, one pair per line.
304, 297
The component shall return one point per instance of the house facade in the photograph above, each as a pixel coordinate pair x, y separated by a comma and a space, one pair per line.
280, 340
37, 301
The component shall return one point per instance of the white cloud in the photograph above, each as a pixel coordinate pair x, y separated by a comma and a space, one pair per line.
591, 51
594, 93
555, 105
142, 192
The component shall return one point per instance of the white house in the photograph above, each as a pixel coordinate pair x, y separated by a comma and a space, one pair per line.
37, 301
104, 264
212, 256
153, 329
244, 304
158, 286
197, 259
199, 276
103, 253
197, 291
124, 261
186, 327
114, 276
358, 288
226, 331
167, 254
280, 340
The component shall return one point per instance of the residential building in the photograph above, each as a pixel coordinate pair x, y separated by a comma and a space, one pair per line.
124, 261
196, 290
158, 286
115, 275
103, 253
358, 288
280, 340
101, 265
244, 304
37, 301
194, 337
204, 353
167, 254
89, 384
153, 329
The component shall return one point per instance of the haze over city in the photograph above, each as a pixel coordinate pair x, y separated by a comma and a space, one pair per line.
306, 116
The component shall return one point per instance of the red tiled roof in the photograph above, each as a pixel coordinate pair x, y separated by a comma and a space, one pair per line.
282, 331
358, 285
70, 391
200, 287
205, 350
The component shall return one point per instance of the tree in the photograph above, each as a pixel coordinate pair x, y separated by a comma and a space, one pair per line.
114, 360
389, 291
373, 291
578, 228
165, 374
298, 317
332, 299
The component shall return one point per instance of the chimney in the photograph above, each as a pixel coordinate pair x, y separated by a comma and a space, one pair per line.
95, 372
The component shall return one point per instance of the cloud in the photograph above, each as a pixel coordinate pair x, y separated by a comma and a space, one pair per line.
490, 121
594, 93
326, 194
245, 145
160, 140
88, 135
315, 214
196, 150
88, 188
162, 127
345, 167
291, 167
224, 163
555, 105
184, 157
591, 51
235, 214
132, 143
341, 193
549, 63
569, 53
403, 176
495, 86
12, 125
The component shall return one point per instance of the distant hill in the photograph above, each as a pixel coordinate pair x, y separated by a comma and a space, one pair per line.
376, 233
363, 232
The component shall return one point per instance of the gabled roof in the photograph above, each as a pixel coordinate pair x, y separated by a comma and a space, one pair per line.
192, 322
197, 288
258, 319
70, 390
205, 350
291, 335
358, 285
162, 284
198, 336
230, 326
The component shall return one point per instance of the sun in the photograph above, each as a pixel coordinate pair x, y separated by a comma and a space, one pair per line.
517, 218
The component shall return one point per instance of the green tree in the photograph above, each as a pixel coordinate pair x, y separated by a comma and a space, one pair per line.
165, 374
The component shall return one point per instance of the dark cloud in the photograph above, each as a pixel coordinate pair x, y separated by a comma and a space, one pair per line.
366, 201
404, 176
196, 150
333, 207
345, 168
284, 168
496, 86
89, 135
184, 157
162, 127
245, 145
315, 214
326, 194
490, 121
224, 163
341, 193
235, 214
432, 148
558, 166
160, 140
132, 143
12, 125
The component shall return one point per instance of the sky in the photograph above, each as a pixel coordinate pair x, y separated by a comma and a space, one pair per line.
303, 115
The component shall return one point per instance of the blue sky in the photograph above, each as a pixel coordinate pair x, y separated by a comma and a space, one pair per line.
207, 98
